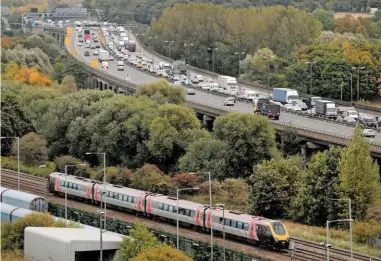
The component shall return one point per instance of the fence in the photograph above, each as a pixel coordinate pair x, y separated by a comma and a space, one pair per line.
198, 250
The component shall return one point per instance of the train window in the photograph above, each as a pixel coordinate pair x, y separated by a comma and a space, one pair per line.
278, 228
181, 211
193, 213
79, 187
125, 198
62, 183
166, 207
170, 209
120, 197
116, 195
221, 220
187, 212
129, 199
227, 222
239, 225
160, 206
174, 210
109, 194
234, 224
246, 226
68, 185
134, 200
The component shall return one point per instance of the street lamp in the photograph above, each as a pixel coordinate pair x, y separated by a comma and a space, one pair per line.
66, 166
18, 159
213, 49
169, 48
358, 79
137, 35
311, 63
104, 175
101, 214
177, 216
211, 213
223, 226
188, 45
239, 62
350, 218
153, 56
268, 72
327, 240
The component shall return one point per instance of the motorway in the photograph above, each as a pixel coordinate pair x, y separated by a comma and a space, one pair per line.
139, 76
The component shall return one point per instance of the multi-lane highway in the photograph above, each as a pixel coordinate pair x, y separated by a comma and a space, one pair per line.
139, 76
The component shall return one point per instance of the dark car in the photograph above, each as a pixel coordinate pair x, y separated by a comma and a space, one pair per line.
87, 53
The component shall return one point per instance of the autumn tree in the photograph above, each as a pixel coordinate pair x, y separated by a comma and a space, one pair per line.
141, 240
150, 178
249, 138
162, 92
68, 84
161, 252
32, 148
359, 175
320, 182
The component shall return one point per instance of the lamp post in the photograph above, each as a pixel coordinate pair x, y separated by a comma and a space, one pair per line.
188, 45
177, 208
153, 48
239, 62
137, 35
211, 213
350, 218
169, 48
358, 79
213, 49
66, 166
104, 177
18, 159
311, 63
268, 72
223, 226
327, 240
101, 214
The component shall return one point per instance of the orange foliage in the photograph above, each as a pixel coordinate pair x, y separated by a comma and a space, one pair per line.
349, 24
356, 55
26, 75
186, 180
10, 42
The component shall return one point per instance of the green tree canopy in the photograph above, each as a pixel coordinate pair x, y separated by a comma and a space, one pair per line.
32, 148
162, 92
359, 175
320, 181
249, 138
161, 252
327, 18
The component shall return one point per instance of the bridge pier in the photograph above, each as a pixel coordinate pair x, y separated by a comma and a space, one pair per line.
208, 122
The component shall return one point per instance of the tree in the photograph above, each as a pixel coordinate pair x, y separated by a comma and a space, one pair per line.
349, 24
327, 18
249, 138
162, 92
14, 122
206, 155
289, 142
359, 175
12, 234
272, 186
32, 148
13, 256
150, 178
161, 253
68, 84
65, 160
142, 239
186, 180
320, 181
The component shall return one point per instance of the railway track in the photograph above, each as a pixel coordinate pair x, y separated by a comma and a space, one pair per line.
304, 250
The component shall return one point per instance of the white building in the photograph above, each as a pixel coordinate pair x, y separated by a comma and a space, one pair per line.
69, 244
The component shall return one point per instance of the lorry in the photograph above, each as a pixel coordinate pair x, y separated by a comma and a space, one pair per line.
179, 67
228, 84
248, 95
311, 101
267, 107
103, 55
130, 46
285, 95
367, 120
326, 108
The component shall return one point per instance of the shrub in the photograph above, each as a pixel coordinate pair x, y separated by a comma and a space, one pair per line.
36, 170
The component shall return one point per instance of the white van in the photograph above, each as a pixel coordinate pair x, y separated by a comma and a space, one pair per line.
104, 65
120, 66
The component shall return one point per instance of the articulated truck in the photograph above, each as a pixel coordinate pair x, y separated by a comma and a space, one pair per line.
285, 95
267, 108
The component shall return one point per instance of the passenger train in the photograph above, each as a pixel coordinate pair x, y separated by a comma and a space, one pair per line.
254, 229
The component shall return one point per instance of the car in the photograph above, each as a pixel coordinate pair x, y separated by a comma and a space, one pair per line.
288, 107
79, 44
111, 58
205, 86
190, 91
165, 74
230, 101
296, 108
95, 52
125, 57
98, 46
87, 53
92, 46
369, 133
214, 87
139, 64
177, 83
95, 40
349, 120
105, 64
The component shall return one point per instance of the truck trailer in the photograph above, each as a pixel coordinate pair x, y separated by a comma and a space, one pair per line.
179, 67
228, 84
326, 108
103, 56
285, 95
267, 108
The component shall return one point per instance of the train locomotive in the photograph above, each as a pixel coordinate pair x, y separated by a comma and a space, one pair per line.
253, 229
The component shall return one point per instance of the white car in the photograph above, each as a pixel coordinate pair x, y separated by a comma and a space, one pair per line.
288, 107
296, 108
159, 72
349, 119
177, 83
104, 65
191, 92
230, 101
214, 87
79, 44
164, 74
205, 86
95, 52
111, 58
369, 133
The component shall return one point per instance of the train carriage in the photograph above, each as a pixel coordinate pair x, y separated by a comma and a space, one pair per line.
23, 200
166, 207
121, 197
11, 213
